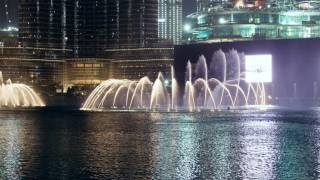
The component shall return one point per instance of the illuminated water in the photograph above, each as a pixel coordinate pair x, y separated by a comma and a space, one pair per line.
272, 144
13, 95
206, 88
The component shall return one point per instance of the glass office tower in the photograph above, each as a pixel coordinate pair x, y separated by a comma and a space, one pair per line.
170, 20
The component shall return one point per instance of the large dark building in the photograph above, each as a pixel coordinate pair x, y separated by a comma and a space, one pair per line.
40, 24
86, 26
133, 45
113, 24
79, 25
92, 40
133, 23
42, 27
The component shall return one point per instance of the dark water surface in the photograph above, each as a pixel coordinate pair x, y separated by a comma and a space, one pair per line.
271, 144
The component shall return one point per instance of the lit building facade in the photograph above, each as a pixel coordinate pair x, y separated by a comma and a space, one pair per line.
113, 25
61, 37
8, 37
137, 63
137, 23
170, 20
40, 23
86, 71
134, 49
254, 21
85, 26
79, 25
87, 42
51, 74
45, 74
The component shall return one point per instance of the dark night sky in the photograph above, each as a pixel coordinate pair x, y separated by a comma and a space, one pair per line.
189, 6
13, 12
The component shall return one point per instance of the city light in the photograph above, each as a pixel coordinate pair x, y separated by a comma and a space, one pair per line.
10, 28
187, 27
166, 82
222, 21
162, 20
258, 68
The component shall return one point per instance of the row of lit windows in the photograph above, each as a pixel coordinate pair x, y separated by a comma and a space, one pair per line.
81, 65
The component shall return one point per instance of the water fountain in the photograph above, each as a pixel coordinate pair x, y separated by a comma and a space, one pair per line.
221, 85
13, 95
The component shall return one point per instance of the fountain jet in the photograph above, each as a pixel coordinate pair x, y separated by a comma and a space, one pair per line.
221, 85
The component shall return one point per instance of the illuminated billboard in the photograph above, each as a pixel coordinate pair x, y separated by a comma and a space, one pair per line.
258, 68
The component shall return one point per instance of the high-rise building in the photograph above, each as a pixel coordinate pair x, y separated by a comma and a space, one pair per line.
40, 23
134, 47
131, 23
170, 20
86, 34
86, 26
78, 25
137, 23
112, 24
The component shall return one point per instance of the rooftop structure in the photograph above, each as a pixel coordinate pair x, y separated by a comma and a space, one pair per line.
248, 21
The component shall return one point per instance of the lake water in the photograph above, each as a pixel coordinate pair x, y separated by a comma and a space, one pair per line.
248, 144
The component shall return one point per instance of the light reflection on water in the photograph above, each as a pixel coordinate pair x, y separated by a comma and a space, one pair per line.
10, 150
259, 149
270, 144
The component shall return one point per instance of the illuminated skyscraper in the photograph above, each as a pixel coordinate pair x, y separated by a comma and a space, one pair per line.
40, 23
123, 31
78, 25
86, 26
134, 48
131, 23
137, 23
112, 24
170, 20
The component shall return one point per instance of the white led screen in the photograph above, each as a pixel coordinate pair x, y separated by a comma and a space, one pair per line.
258, 68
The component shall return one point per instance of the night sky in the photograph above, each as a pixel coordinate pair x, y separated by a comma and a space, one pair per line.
13, 13
189, 6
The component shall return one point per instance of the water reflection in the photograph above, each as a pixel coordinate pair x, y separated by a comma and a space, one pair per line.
10, 149
298, 149
317, 146
234, 145
121, 147
258, 151
178, 146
